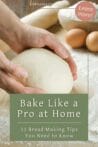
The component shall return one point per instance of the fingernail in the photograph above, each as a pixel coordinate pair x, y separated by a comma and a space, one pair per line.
75, 77
22, 74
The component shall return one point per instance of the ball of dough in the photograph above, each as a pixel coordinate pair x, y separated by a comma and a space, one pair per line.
46, 70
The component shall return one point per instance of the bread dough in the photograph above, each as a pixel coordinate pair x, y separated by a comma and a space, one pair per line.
46, 70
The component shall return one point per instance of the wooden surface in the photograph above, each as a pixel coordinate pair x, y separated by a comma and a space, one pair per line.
24, 7
20, 7
74, 1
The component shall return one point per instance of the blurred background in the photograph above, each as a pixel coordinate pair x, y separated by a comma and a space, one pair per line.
24, 7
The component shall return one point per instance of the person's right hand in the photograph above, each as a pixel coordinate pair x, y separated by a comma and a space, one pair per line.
13, 78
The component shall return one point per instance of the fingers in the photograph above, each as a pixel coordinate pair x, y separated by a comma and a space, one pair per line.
9, 83
13, 69
53, 43
3, 60
18, 72
60, 50
73, 67
29, 90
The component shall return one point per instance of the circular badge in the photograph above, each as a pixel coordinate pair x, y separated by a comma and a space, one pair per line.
85, 11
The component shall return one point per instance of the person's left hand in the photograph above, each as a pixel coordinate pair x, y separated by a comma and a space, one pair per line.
14, 78
36, 37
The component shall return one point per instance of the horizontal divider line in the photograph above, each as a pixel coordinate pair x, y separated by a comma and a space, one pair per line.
47, 122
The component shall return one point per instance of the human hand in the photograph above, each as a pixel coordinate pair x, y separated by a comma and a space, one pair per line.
19, 37
14, 78
36, 37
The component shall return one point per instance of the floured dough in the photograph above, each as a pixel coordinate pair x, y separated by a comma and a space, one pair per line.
46, 70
